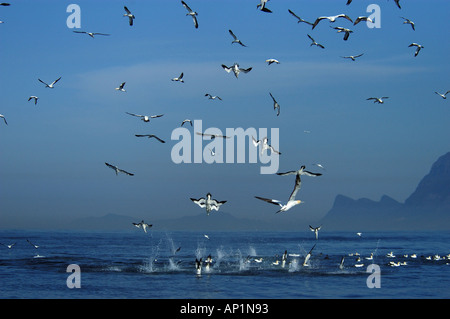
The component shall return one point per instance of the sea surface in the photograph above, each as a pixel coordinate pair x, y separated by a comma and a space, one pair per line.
161, 265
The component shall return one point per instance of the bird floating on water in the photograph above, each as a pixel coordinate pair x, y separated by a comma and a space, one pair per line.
118, 170
51, 85
236, 69
145, 118
209, 203
191, 13
130, 16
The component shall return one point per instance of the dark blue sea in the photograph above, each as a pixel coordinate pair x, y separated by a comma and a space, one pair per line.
161, 265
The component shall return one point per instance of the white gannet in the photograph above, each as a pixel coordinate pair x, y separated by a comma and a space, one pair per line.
179, 79
117, 170
341, 29
264, 145
308, 256
341, 264
418, 46
4, 119
390, 255
236, 69
145, 118
150, 136
206, 236
130, 16
444, 96
212, 97
332, 19
407, 21
209, 203
191, 13
262, 6
120, 88
186, 121
33, 97
315, 230
276, 263
91, 34
284, 259
370, 257
51, 85
236, 40
35, 246
298, 18
359, 265
394, 264
353, 57
359, 234
301, 171
362, 18
315, 43
276, 106
212, 136
258, 260
378, 100
413, 256
270, 61
208, 262
198, 266
8, 246
291, 202
142, 225
319, 165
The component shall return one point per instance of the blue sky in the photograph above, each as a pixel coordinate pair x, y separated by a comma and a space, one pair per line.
52, 155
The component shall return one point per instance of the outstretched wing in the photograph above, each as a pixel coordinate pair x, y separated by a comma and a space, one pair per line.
271, 201
200, 202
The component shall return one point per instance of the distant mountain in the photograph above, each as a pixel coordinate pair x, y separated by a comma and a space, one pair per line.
427, 208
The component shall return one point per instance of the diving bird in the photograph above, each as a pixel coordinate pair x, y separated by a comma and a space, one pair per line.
298, 18
120, 88
308, 256
291, 202
270, 61
35, 246
407, 21
198, 266
315, 230
179, 79
345, 30
236, 69
35, 98
444, 96
332, 19
276, 106
130, 16
186, 121
209, 203
236, 40
353, 57
262, 6
118, 170
191, 13
4, 119
142, 225
91, 34
212, 97
315, 43
51, 85
301, 171
418, 46
150, 136
378, 100
145, 118
264, 145
212, 136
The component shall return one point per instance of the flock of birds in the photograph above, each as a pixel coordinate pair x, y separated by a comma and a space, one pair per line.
208, 202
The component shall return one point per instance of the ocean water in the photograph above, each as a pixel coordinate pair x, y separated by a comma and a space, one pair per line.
149, 265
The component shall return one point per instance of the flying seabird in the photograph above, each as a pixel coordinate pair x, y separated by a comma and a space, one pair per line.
315, 43
291, 202
213, 97
341, 29
150, 136
145, 118
359, 234
362, 18
418, 48
142, 225
444, 96
397, 2
51, 85
236, 40
262, 6
276, 106
236, 69
298, 18
179, 79
35, 99
308, 256
407, 21
352, 57
117, 170
120, 88
9, 246
4, 119
319, 165
301, 171
5, 4
349, 1
129, 15
315, 230
206, 236
35, 246
186, 120
378, 100
208, 203
332, 19
270, 61
212, 136
264, 145
191, 13
91, 34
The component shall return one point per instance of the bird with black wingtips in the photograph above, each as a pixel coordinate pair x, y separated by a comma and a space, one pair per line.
118, 170
408, 21
121, 87
315, 230
212, 136
191, 13
33, 97
332, 19
91, 34
4, 119
150, 136
300, 171
276, 106
264, 145
209, 203
353, 57
143, 225
130, 16
179, 79
313, 42
145, 118
418, 47
379, 100
299, 20
444, 95
235, 69
236, 40
51, 85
